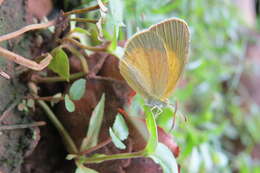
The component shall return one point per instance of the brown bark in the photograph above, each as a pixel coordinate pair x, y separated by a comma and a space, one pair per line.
14, 144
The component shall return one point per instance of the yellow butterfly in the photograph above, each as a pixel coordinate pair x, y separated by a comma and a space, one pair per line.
154, 60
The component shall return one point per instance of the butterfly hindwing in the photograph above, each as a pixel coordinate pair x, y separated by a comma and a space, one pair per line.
175, 34
146, 54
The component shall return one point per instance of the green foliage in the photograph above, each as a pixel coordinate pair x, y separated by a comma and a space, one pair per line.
83, 169
80, 30
77, 89
116, 8
165, 120
119, 132
94, 125
152, 128
216, 124
116, 140
164, 157
60, 63
215, 117
76, 92
69, 104
120, 128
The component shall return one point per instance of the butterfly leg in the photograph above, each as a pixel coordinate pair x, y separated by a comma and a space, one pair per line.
156, 110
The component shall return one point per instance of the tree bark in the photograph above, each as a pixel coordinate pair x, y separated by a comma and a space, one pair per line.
14, 144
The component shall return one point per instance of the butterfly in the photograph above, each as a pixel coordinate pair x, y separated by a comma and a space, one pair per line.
154, 60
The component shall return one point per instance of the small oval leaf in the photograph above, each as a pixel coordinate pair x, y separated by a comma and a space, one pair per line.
116, 140
69, 104
77, 89
120, 128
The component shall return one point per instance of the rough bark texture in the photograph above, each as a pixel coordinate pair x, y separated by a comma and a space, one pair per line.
14, 144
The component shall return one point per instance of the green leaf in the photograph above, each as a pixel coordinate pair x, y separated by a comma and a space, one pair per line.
119, 132
60, 63
164, 157
83, 169
94, 125
116, 9
169, 7
69, 104
152, 128
165, 119
71, 156
116, 140
96, 157
120, 128
77, 89
114, 22
81, 30
118, 52
113, 45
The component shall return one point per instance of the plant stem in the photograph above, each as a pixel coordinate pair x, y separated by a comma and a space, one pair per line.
39, 79
152, 128
70, 145
138, 154
96, 49
84, 20
25, 29
102, 6
47, 98
24, 61
82, 59
83, 10
94, 71
108, 79
102, 144
22, 126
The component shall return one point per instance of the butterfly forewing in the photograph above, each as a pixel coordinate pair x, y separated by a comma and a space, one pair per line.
175, 34
146, 52
134, 78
